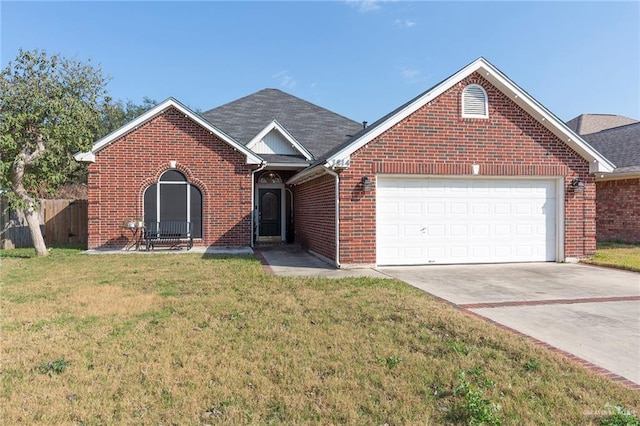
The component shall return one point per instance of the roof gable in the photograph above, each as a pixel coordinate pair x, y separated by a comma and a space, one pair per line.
339, 157
252, 158
275, 139
316, 129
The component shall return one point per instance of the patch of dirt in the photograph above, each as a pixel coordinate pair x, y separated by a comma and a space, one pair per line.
84, 302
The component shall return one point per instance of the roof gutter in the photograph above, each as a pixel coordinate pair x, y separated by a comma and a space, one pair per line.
254, 206
308, 174
617, 176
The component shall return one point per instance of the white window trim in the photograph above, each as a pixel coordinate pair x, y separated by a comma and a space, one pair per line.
486, 102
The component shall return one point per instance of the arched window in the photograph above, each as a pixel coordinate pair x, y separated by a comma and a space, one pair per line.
270, 177
474, 102
173, 198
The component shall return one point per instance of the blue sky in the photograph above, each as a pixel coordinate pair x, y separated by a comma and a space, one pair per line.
361, 59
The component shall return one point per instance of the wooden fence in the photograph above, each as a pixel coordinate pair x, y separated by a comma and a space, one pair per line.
63, 222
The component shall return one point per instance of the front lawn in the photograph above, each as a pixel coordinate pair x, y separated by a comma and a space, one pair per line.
617, 255
187, 339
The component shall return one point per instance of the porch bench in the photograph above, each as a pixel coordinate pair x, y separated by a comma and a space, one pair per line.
173, 232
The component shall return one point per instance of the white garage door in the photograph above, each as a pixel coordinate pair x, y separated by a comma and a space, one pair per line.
438, 221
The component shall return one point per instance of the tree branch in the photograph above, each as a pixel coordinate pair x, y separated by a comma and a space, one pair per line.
31, 157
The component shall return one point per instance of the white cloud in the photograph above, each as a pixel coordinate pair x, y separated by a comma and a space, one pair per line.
285, 79
409, 73
405, 23
364, 6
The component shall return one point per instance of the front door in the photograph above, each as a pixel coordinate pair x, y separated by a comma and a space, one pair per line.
270, 214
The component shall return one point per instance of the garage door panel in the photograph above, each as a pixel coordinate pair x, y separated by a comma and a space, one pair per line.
459, 208
502, 230
412, 208
465, 221
389, 209
412, 230
437, 207
389, 230
436, 231
480, 208
459, 252
459, 230
501, 208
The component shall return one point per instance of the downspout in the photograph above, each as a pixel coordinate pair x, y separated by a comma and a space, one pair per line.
253, 199
332, 173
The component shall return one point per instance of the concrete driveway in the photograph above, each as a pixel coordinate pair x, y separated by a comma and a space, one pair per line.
590, 312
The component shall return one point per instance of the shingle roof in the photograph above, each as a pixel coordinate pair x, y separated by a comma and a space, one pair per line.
586, 124
316, 128
621, 145
363, 131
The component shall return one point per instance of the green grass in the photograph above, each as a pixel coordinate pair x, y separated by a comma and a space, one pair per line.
617, 255
187, 339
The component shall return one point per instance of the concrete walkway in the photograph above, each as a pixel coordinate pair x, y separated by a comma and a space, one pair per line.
291, 261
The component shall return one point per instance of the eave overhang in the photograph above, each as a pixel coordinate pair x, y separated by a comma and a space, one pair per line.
282, 166
633, 174
308, 174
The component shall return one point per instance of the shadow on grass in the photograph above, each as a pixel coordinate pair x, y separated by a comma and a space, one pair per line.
226, 256
29, 252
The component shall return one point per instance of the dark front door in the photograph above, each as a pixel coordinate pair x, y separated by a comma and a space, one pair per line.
270, 212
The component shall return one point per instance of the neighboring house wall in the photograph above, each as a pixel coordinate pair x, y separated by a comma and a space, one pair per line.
436, 140
618, 205
124, 169
314, 215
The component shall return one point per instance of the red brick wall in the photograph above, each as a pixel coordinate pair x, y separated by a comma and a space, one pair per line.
314, 215
437, 140
618, 210
124, 169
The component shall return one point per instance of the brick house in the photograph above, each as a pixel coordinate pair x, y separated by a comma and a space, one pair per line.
472, 170
618, 192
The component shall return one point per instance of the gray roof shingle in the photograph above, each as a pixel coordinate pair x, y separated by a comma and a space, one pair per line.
621, 145
586, 124
316, 128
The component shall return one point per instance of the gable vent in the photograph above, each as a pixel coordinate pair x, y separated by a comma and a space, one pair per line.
474, 102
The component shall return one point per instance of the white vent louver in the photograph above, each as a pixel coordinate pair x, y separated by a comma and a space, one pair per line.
474, 102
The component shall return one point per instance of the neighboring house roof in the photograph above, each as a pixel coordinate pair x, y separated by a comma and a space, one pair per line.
586, 124
621, 145
252, 158
339, 156
318, 130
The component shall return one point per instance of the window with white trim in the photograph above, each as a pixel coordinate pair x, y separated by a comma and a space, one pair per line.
174, 198
474, 102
